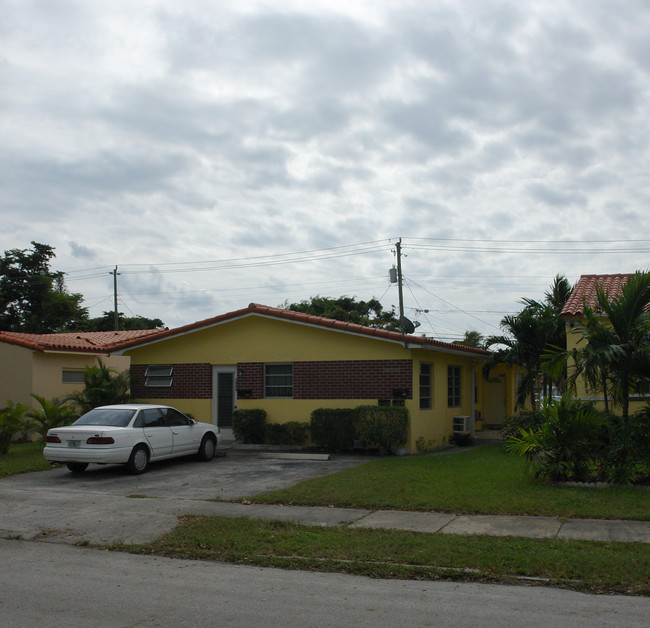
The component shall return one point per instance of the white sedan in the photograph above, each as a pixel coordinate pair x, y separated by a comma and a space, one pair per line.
130, 434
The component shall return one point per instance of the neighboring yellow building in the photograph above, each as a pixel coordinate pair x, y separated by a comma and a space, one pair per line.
52, 365
290, 363
583, 293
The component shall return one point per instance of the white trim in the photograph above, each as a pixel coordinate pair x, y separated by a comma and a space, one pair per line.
216, 369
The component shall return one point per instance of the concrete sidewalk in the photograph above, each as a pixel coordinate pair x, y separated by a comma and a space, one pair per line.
141, 520
445, 523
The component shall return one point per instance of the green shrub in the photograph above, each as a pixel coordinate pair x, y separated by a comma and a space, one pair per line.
53, 413
334, 429
568, 444
248, 426
291, 433
385, 427
526, 420
628, 455
462, 439
12, 421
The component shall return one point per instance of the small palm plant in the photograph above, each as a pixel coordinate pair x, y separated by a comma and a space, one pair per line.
12, 421
568, 443
102, 386
53, 413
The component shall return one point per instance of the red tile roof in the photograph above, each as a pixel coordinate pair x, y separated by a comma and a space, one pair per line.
584, 291
307, 319
83, 342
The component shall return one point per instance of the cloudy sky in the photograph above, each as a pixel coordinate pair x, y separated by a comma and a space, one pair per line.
220, 153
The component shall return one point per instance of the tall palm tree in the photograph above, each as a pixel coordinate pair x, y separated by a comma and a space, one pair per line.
523, 344
623, 340
530, 332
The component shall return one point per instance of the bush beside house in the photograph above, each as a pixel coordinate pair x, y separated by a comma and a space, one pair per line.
330, 429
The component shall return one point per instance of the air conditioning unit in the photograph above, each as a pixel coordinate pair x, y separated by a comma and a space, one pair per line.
463, 425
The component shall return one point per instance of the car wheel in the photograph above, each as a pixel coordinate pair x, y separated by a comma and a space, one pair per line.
207, 448
138, 460
77, 467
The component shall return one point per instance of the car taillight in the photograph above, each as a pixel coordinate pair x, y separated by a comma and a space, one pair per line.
100, 440
52, 439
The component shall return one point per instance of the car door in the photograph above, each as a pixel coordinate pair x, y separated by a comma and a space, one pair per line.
158, 433
184, 433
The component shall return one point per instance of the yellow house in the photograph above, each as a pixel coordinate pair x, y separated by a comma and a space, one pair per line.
583, 293
52, 365
289, 364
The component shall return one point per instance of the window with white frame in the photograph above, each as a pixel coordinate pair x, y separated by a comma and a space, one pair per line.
453, 386
159, 376
278, 380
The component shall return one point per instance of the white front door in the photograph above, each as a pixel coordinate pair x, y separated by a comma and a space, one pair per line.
224, 399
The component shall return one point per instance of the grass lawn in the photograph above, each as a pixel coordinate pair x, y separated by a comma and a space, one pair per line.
482, 480
587, 566
478, 480
23, 457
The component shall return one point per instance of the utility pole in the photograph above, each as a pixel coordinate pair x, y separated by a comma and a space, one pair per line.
398, 250
116, 317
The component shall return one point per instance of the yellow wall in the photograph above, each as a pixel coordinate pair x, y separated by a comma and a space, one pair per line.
15, 374
258, 339
48, 371
23, 372
575, 340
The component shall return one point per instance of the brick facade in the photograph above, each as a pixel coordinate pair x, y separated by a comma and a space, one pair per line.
339, 379
190, 381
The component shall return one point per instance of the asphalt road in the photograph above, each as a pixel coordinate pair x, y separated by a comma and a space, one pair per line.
63, 585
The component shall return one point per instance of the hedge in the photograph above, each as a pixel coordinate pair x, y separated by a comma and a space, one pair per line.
385, 427
248, 426
334, 429
291, 433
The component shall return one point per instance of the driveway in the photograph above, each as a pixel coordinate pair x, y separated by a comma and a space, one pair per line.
105, 504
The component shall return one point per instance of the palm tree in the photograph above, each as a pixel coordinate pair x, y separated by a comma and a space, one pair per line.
622, 342
472, 339
102, 386
53, 413
523, 344
11, 422
613, 352
530, 332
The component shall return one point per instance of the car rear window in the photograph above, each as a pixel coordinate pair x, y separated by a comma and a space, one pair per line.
116, 417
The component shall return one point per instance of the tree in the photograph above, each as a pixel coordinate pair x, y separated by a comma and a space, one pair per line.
524, 343
530, 333
102, 386
369, 313
12, 421
107, 322
616, 335
472, 339
53, 413
33, 298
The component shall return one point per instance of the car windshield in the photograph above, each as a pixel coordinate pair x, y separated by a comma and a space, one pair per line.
115, 417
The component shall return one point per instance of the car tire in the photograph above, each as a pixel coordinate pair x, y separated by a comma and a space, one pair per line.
138, 460
77, 467
207, 448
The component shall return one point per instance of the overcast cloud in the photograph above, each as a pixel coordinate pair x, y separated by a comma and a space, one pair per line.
203, 146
